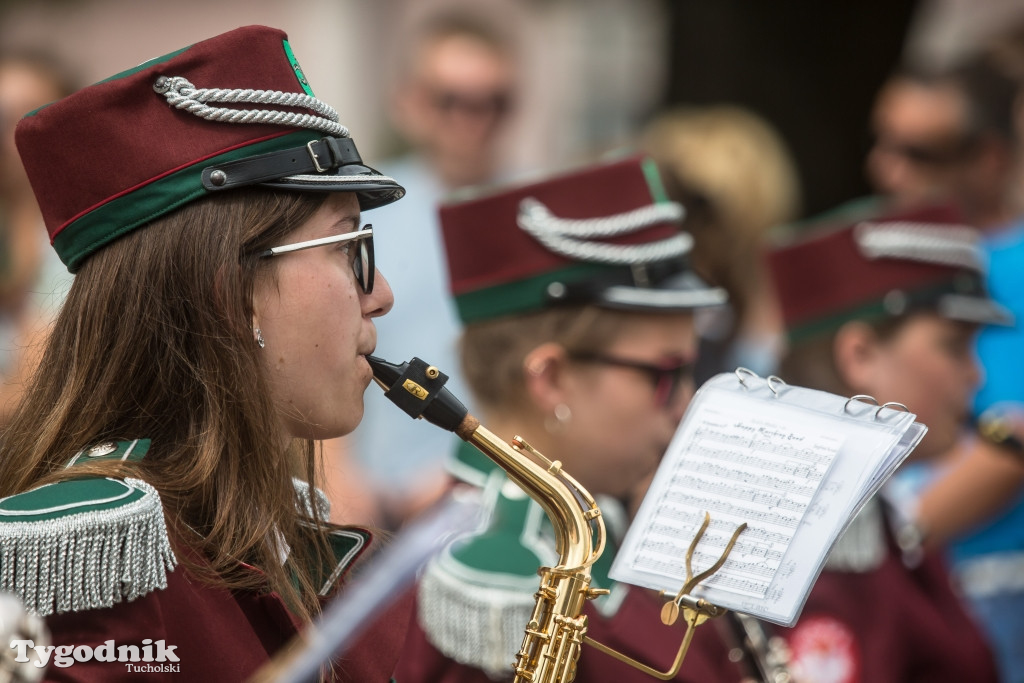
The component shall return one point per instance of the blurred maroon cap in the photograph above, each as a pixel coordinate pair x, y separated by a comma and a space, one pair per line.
604, 234
883, 265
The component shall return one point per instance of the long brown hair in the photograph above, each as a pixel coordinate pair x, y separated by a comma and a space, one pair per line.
155, 341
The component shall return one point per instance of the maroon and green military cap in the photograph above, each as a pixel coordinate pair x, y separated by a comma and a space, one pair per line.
887, 264
605, 234
231, 111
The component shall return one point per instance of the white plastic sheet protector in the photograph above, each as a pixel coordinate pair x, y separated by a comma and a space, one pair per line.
795, 464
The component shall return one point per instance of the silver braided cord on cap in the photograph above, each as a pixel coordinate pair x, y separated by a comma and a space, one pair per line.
940, 243
180, 93
572, 237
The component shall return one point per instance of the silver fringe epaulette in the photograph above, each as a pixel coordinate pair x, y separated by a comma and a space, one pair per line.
862, 546
476, 618
476, 596
84, 543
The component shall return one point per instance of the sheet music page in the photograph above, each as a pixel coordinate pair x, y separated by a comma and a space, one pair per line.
745, 459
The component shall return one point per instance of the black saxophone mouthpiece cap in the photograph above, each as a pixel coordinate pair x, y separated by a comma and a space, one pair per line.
418, 389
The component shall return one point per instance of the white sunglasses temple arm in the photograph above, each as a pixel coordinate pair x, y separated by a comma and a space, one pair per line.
345, 237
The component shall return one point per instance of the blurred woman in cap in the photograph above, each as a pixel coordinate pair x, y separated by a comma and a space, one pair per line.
160, 475
578, 305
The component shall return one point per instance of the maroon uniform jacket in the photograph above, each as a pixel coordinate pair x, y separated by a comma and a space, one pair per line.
93, 556
635, 630
218, 635
894, 621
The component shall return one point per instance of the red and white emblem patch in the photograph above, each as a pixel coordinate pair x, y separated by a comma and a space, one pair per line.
823, 650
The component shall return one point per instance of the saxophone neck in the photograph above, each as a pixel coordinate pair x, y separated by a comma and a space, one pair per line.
579, 527
418, 389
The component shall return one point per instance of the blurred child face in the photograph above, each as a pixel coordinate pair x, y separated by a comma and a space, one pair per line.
318, 328
623, 417
929, 366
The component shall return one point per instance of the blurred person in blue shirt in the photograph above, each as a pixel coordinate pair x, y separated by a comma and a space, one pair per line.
948, 135
454, 92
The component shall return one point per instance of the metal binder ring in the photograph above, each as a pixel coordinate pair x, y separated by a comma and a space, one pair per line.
863, 398
740, 372
773, 378
894, 405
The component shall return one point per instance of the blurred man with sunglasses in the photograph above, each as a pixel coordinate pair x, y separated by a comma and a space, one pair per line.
950, 136
946, 135
453, 93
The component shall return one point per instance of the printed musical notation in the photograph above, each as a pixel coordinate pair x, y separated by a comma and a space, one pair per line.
793, 463
752, 470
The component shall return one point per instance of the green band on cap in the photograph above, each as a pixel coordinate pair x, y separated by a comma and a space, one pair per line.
872, 311
122, 215
521, 296
298, 69
653, 177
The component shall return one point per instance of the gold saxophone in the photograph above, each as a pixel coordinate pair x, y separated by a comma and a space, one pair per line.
557, 628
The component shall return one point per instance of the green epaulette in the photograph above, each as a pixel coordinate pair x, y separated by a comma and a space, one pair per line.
85, 543
477, 595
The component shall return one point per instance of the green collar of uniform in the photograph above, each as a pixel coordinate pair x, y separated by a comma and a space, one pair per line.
347, 545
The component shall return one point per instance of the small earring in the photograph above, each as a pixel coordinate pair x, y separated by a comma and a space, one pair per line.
562, 415
259, 338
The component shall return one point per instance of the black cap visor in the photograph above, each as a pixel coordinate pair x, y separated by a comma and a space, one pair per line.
330, 164
373, 188
631, 290
974, 309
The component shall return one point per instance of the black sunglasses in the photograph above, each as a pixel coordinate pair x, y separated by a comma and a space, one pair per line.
928, 154
363, 264
667, 376
497, 103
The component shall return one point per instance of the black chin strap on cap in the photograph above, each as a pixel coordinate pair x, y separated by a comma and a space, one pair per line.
315, 157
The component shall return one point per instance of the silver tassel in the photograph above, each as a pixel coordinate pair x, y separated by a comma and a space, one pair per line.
88, 560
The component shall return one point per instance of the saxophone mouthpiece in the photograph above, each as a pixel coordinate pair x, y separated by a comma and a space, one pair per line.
384, 373
418, 389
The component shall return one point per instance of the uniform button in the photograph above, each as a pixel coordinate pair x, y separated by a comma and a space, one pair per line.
557, 290
895, 302
101, 449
